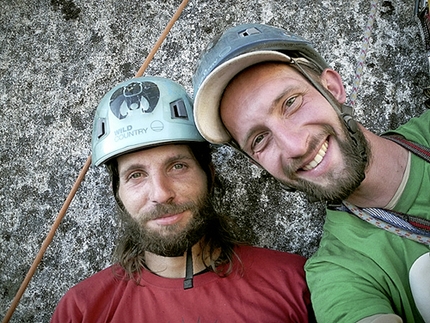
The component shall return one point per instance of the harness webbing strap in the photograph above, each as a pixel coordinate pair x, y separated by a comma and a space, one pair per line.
393, 227
419, 150
401, 220
419, 223
404, 225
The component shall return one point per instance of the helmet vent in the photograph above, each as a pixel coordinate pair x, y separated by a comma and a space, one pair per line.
249, 31
101, 130
178, 109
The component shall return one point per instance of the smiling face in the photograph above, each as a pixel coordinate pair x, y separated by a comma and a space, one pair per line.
164, 191
282, 122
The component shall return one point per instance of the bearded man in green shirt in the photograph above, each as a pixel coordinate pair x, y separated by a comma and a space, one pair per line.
269, 94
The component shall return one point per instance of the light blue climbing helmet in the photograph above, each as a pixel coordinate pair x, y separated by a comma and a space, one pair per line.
233, 51
141, 113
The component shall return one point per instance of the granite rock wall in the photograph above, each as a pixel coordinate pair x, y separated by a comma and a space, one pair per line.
59, 57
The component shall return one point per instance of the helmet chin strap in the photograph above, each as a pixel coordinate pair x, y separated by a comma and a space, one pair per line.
347, 111
188, 281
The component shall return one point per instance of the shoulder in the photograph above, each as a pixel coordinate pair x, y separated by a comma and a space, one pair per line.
277, 277
416, 129
107, 273
269, 257
90, 293
98, 283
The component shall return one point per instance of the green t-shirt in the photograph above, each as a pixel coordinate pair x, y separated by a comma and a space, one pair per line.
360, 270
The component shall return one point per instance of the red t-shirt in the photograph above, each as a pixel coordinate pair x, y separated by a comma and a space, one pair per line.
269, 286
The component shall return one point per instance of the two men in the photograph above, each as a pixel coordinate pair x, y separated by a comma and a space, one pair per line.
178, 259
269, 94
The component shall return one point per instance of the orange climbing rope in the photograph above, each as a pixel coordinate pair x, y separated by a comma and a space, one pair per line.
80, 178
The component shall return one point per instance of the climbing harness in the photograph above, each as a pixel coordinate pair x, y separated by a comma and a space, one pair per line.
419, 150
404, 225
80, 178
387, 220
412, 227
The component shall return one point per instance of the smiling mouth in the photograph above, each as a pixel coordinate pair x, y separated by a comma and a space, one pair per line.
318, 157
168, 219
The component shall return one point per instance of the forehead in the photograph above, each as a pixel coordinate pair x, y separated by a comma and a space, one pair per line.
254, 82
159, 153
266, 70
258, 82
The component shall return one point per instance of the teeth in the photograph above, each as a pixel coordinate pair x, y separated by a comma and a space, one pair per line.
318, 158
324, 147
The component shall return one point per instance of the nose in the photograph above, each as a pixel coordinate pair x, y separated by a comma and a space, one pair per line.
161, 190
291, 140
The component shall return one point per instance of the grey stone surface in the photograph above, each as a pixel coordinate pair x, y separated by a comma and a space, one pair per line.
59, 57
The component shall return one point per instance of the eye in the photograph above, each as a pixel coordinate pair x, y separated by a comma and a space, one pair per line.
135, 175
132, 177
292, 104
258, 140
178, 166
259, 143
290, 101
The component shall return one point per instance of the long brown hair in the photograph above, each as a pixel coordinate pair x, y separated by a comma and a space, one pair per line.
223, 233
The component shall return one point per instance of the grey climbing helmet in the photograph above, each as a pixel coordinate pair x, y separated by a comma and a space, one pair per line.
236, 49
140, 113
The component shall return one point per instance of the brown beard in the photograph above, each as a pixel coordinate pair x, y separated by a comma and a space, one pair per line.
171, 241
352, 176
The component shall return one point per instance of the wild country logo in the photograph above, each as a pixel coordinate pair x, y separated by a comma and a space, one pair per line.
142, 96
128, 131
131, 98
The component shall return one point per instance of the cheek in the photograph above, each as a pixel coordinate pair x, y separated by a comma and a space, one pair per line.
271, 160
191, 190
131, 199
273, 166
198, 187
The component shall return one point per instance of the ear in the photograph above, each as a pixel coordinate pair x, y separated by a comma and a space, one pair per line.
332, 81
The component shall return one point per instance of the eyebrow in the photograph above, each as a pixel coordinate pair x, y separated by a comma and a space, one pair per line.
169, 160
130, 167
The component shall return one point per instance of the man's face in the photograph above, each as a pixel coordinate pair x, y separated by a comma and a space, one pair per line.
164, 191
284, 124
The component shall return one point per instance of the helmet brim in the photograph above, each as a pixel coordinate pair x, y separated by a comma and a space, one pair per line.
208, 98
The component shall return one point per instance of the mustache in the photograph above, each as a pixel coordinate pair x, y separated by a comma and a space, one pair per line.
296, 163
162, 209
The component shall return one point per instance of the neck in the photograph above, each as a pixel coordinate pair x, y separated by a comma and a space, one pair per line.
174, 267
383, 174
